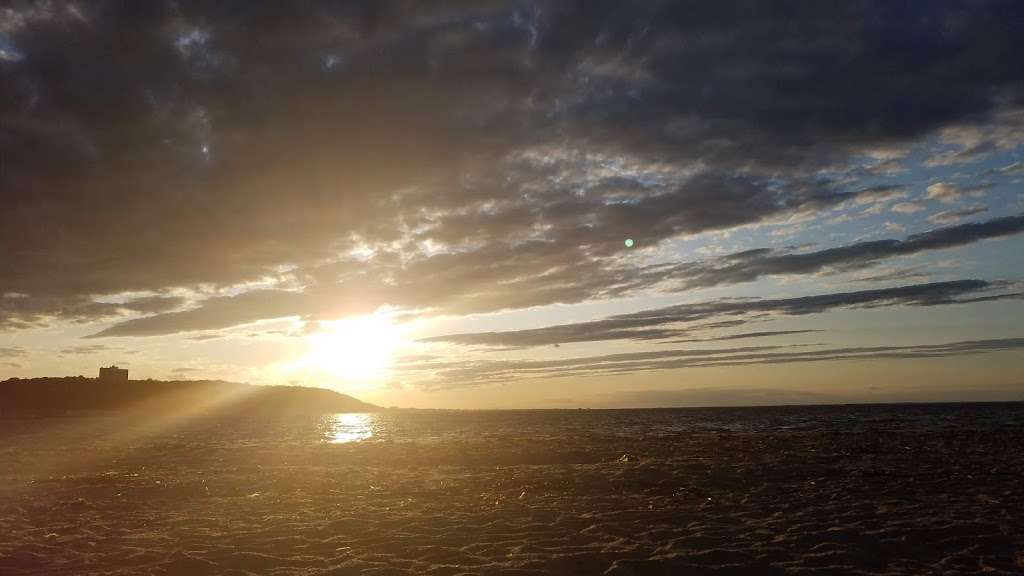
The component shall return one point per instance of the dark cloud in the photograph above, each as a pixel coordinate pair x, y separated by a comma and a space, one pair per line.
749, 266
19, 310
153, 304
216, 313
663, 323
911, 273
745, 335
487, 155
474, 373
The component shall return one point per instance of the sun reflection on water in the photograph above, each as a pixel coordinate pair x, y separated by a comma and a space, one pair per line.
345, 428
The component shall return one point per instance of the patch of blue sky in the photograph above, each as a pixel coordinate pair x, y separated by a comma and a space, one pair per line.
1000, 258
8, 52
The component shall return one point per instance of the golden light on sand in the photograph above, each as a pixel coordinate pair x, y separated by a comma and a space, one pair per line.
355, 349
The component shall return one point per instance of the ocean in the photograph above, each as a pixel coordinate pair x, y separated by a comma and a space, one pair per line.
867, 489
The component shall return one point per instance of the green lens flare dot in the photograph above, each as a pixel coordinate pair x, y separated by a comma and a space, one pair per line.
629, 242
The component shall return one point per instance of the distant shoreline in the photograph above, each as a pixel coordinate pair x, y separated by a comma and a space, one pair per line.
78, 394
67, 394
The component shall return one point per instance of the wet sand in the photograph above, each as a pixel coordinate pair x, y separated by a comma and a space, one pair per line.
892, 502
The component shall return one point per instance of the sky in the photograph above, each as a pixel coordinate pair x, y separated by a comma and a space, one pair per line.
497, 204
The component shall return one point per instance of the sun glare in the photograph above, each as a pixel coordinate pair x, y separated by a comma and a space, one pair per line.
355, 349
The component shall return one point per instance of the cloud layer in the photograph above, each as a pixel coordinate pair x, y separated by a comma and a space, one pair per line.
435, 276
663, 323
458, 374
292, 159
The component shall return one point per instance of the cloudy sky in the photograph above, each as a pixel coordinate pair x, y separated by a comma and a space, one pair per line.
496, 204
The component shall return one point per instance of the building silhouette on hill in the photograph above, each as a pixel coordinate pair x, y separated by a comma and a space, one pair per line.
113, 375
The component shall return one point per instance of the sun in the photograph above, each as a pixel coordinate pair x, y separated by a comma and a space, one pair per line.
355, 349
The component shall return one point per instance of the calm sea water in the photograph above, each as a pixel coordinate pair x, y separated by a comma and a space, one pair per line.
441, 425
445, 425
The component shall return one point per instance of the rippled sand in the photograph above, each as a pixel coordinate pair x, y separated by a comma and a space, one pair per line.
866, 502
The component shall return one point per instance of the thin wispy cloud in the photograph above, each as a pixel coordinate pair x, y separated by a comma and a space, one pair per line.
469, 373
954, 216
654, 324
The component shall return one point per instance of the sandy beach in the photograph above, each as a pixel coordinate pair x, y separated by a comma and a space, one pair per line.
887, 501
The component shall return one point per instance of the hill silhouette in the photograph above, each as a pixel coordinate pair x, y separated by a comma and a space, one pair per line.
76, 393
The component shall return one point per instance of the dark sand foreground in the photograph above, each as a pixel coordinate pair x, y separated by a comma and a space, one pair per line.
872, 502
